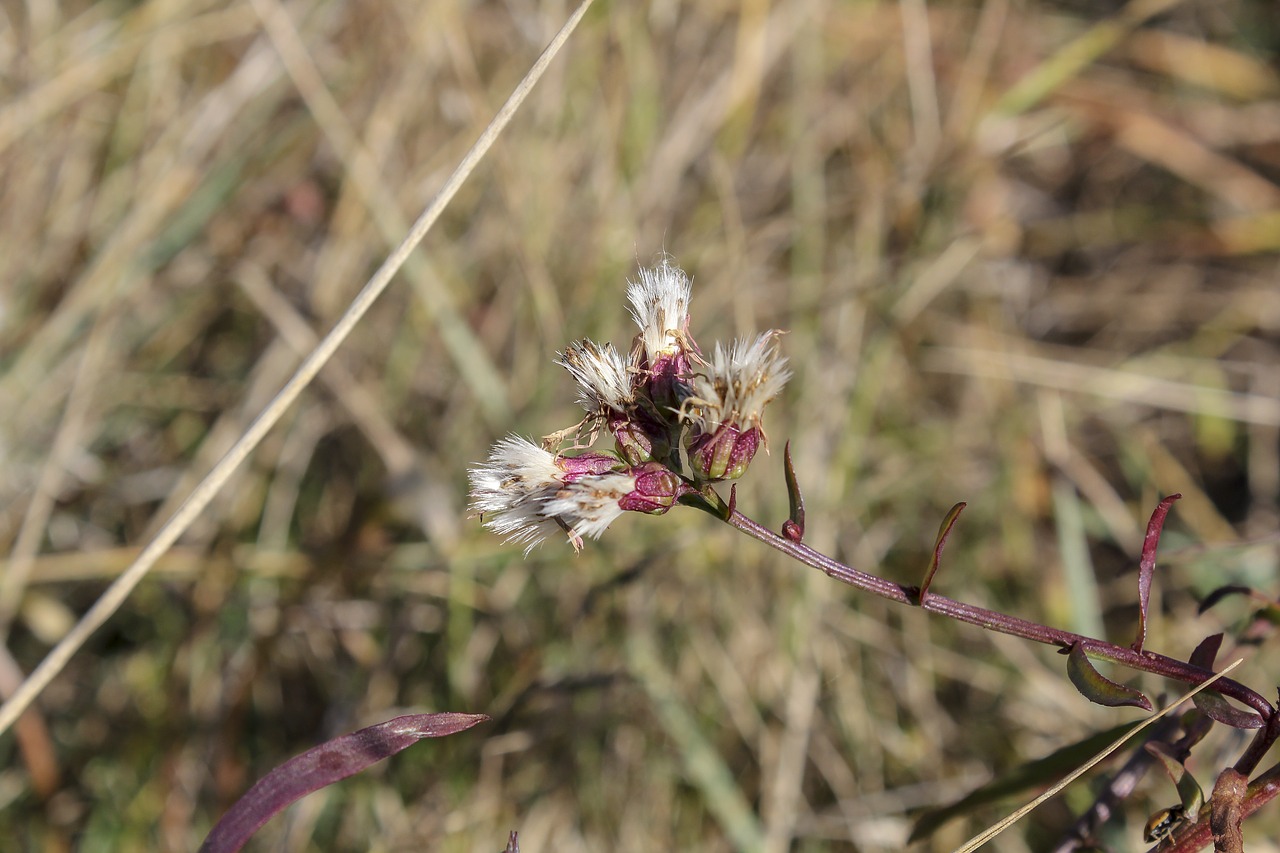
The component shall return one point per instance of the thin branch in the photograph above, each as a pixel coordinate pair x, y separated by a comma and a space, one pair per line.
993, 621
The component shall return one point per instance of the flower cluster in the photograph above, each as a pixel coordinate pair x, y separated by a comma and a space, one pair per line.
679, 422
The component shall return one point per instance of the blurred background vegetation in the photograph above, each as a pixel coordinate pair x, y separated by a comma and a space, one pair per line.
1027, 252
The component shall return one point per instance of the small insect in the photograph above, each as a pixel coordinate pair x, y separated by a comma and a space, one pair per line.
1162, 824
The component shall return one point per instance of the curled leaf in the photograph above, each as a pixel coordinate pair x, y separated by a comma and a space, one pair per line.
1221, 593
793, 528
1212, 704
323, 765
1097, 688
944, 532
1165, 753
1147, 565
1190, 795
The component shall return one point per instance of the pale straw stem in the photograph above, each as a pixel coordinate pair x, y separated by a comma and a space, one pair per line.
119, 591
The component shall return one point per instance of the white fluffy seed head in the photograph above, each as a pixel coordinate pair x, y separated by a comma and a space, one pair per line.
509, 489
589, 505
516, 469
523, 495
604, 382
660, 306
736, 384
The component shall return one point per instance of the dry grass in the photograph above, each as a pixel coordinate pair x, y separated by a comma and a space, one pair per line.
1027, 260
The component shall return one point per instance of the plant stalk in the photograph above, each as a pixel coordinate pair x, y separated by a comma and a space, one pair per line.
1144, 661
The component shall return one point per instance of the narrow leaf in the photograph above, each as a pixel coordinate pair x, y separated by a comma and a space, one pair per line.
1221, 593
327, 763
1147, 565
1029, 776
944, 532
1190, 793
973, 844
1096, 687
1213, 704
793, 529
513, 843
1164, 753
1207, 652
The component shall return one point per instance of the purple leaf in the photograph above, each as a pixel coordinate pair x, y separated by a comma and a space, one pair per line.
327, 763
1147, 565
513, 843
793, 527
944, 533
1096, 687
1207, 652
1213, 705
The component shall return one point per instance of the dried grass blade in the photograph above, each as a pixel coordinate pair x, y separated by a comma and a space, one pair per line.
119, 591
991, 832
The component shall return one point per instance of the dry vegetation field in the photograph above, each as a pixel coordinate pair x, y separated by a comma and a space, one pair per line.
1028, 254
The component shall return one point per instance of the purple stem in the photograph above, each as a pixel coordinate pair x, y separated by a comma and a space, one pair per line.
1262, 790
1145, 661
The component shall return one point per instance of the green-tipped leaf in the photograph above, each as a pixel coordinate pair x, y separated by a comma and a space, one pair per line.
1096, 687
1191, 794
1164, 753
1189, 791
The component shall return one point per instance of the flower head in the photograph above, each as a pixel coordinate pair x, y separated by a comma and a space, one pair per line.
517, 469
509, 489
737, 384
604, 382
727, 404
679, 422
524, 492
663, 350
588, 506
660, 306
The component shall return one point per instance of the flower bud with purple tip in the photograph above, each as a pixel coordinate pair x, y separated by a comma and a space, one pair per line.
724, 454
726, 406
657, 489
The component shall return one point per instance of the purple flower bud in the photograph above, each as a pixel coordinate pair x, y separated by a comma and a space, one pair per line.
668, 382
588, 464
634, 442
657, 488
725, 453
